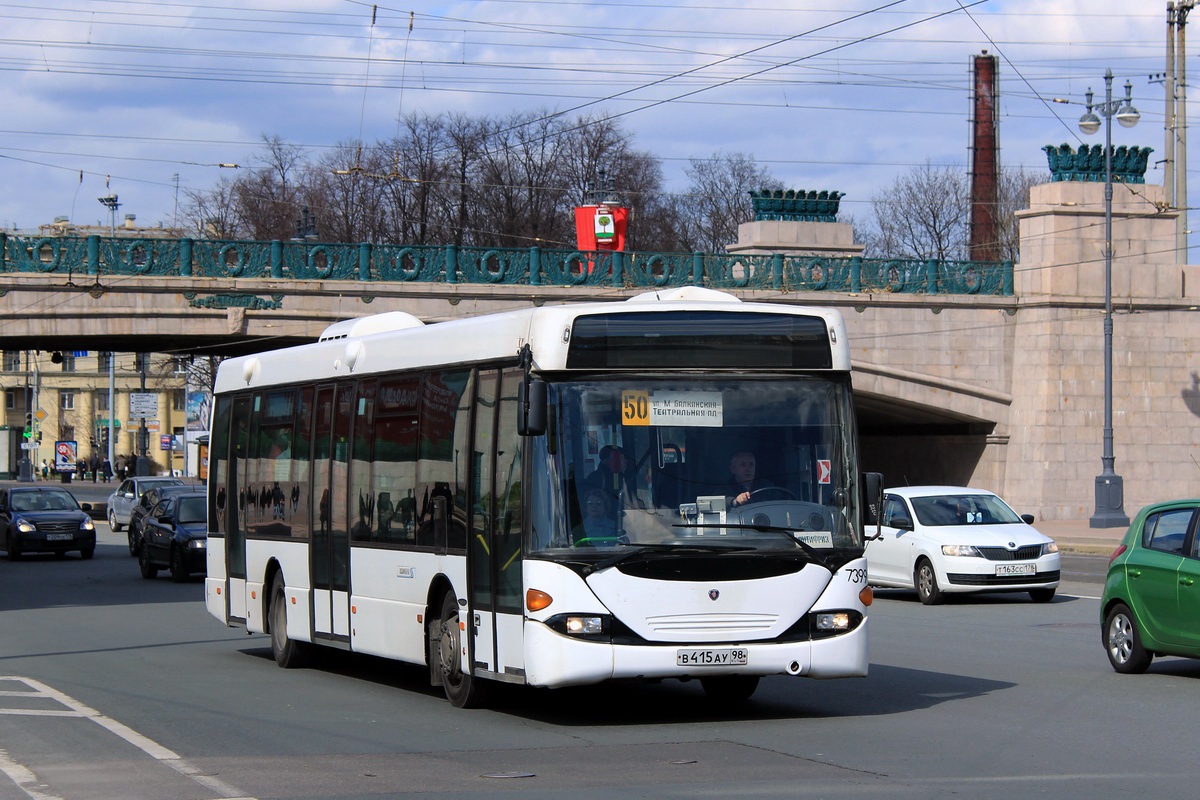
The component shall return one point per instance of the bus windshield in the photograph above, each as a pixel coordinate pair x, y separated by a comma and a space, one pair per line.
750, 465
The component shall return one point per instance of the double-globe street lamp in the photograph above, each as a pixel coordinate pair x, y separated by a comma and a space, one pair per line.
1110, 511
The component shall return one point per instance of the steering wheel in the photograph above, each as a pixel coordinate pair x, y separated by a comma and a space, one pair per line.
787, 493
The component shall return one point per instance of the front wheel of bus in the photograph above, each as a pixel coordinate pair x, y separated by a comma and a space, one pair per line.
729, 689
462, 690
288, 653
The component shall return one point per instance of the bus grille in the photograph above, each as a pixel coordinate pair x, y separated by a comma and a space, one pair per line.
712, 623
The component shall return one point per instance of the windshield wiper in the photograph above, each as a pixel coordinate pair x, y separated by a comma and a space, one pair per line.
787, 533
642, 549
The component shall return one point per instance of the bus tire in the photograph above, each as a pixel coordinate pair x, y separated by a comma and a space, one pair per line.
287, 652
729, 689
462, 689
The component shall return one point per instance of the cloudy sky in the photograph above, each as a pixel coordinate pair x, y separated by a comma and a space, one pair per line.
148, 98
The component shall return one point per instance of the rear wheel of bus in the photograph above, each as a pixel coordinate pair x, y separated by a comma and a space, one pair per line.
288, 652
462, 689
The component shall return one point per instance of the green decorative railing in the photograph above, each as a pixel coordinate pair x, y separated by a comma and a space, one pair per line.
96, 256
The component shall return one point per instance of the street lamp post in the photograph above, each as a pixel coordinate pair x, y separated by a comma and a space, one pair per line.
1110, 501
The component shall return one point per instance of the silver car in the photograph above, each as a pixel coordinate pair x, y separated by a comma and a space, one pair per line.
121, 502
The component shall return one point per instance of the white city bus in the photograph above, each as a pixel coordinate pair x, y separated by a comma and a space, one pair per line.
438, 494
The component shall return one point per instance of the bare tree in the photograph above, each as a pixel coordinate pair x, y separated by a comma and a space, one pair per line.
213, 213
1014, 196
718, 200
342, 190
268, 195
925, 213
523, 197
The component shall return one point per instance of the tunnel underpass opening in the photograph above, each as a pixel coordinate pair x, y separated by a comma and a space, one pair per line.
915, 445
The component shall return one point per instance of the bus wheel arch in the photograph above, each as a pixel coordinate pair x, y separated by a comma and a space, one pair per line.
272, 570
462, 689
287, 652
439, 587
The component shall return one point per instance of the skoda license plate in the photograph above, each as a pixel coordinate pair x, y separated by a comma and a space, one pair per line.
711, 658
1016, 569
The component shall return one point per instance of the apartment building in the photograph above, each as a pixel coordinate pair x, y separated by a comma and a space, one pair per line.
72, 396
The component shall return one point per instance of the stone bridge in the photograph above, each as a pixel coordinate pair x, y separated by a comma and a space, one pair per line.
984, 375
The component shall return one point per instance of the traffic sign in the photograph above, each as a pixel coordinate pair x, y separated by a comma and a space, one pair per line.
143, 404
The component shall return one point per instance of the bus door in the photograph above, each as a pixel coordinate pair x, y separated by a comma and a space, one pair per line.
235, 533
496, 522
329, 551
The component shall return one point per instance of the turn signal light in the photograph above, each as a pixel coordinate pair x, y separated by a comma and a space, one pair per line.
866, 596
536, 600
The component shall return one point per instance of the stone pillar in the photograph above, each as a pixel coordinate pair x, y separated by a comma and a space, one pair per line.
1062, 242
767, 237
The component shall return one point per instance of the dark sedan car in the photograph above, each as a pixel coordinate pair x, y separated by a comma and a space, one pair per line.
147, 501
175, 536
39, 519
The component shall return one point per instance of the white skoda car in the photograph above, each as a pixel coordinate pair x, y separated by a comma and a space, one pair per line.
944, 539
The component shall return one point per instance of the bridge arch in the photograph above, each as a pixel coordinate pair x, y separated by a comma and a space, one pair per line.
918, 429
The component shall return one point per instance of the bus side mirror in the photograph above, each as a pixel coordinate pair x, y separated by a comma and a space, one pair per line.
872, 501
531, 407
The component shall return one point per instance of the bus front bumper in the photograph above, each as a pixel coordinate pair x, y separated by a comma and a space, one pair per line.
553, 659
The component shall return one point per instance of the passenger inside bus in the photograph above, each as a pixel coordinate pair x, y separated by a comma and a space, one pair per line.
599, 524
613, 476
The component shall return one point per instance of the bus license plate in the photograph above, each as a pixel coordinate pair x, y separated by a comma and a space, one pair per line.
1016, 569
710, 658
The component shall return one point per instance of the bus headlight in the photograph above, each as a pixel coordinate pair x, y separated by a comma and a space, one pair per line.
835, 621
585, 626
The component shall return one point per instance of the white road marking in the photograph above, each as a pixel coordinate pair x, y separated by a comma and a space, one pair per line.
78, 709
24, 778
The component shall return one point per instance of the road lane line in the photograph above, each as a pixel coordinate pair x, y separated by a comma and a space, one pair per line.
24, 778
143, 743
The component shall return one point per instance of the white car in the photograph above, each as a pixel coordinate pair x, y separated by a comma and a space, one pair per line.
944, 539
122, 501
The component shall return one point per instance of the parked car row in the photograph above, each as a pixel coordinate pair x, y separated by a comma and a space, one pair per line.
174, 536
166, 519
128, 493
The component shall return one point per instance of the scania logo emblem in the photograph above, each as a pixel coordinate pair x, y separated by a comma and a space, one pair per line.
713, 594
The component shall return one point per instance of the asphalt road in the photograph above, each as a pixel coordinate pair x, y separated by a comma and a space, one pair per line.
112, 686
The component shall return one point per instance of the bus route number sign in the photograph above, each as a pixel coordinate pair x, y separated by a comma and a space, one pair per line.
635, 408
687, 409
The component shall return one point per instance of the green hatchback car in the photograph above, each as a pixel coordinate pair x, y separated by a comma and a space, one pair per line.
1151, 600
